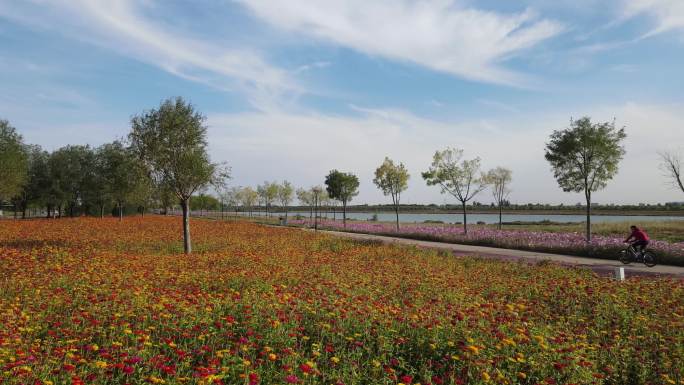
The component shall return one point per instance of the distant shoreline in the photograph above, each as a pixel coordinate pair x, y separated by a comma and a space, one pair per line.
596, 212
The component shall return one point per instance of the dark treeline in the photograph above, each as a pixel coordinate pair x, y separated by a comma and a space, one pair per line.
81, 180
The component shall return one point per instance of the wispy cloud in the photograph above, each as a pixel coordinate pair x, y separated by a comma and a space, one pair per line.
668, 14
123, 27
437, 34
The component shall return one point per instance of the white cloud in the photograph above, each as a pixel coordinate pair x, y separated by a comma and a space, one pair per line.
437, 34
303, 147
121, 26
669, 14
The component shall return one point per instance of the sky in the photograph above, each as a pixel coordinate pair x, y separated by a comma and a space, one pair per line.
294, 88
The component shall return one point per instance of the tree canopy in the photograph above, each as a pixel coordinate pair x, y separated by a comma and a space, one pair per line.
585, 156
13, 162
343, 187
459, 177
171, 141
392, 179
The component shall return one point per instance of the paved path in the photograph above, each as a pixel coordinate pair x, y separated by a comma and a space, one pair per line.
601, 266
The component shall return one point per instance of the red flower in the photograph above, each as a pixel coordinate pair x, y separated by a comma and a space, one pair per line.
68, 367
407, 379
292, 379
253, 379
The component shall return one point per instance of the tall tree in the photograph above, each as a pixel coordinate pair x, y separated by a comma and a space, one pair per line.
13, 162
124, 175
37, 182
460, 178
584, 157
305, 199
343, 187
171, 140
671, 164
248, 198
70, 169
500, 178
285, 193
392, 180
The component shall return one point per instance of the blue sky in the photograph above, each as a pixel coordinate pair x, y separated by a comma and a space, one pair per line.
292, 89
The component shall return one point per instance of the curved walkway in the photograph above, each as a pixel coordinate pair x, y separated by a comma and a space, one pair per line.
601, 266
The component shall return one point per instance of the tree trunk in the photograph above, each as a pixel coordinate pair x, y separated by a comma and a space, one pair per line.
396, 211
465, 219
344, 214
23, 212
187, 246
587, 194
101, 211
120, 212
500, 212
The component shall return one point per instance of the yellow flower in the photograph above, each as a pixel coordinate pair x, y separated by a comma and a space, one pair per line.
272, 357
100, 364
486, 377
474, 349
335, 360
522, 375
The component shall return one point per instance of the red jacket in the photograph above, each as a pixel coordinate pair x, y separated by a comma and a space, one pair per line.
639, 235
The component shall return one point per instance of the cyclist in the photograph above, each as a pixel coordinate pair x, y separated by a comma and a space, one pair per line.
640, 239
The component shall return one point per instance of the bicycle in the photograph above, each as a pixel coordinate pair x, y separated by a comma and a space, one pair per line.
630, 254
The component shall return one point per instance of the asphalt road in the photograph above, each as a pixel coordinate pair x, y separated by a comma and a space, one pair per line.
601, 266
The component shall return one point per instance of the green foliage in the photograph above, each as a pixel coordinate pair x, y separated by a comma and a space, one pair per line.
122, 176
71, 168
585, 156
342, 186
460, 178
13, 162
171, 140
38, 178
392, 179
455, 176
285, 194
204, 202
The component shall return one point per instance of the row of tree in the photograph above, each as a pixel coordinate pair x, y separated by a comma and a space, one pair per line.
73, 179
164, 160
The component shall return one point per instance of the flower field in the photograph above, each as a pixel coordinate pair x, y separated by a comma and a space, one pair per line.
572, 243
95, 301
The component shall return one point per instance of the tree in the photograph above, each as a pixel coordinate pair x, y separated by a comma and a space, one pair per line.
123, 174
37, 181
316, 193
460, 178
204, 202
500, 178
285, 193
171, 140
248, 198
306, 199
671, 164
584, 157
268, 193
13, 162
392, 180
343, 187
70, 169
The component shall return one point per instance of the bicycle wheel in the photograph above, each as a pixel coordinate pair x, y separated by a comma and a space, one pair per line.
625, 257
649, 259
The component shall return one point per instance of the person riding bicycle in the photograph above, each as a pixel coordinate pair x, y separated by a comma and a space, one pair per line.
640, 239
